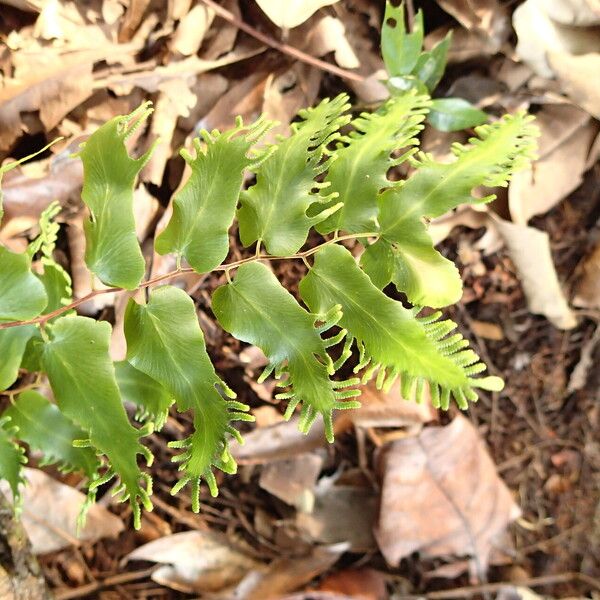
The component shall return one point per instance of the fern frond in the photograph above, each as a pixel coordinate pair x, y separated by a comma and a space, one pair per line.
204, 208
41, 424
109, 173
12, 459
255, 308
364, 157
405, 253
391, 341
81, 374
164, 341
274, 210
151, 399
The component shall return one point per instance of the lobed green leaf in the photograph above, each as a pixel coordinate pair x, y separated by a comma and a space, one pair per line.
404, 253
112, 249
392, 342
164, 341
364, 157
204, 208
255, 308
43, 426
13, 342
274, 210
81, 374
150, 398
12, 459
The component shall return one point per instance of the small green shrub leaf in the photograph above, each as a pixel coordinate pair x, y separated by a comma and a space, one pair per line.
13, 342
255, 308
150, 397
364, 157
392, 342
41, 424
112, 249
22, 294
274, 209
204, 208
431, 65
81, 374
164, 341
400, 49
455, 114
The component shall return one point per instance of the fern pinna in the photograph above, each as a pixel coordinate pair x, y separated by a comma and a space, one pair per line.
327, 178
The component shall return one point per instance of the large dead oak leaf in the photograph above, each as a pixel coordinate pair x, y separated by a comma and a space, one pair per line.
442, 496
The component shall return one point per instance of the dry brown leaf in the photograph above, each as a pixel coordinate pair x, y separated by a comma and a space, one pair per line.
489, 331
191, 30
293, 480
579, 77
329, 35
363, 584
291, 13
529, 249
539, 35
277, 442
195, 561
379, 409
567, 133
287, 93
50, 512
53, 91
441, 495
132, 19
582, 13
287, 574
487, 18
25, 197
587, 290
341, 513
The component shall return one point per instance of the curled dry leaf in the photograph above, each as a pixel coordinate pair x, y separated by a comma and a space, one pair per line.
341, 513
361, 584
195, 561
279, 441
291, 13
293, 480
579, 78
529, 250
538, 34
567, 133
51, 510
191, 30
441, 495
287, 574
329, 35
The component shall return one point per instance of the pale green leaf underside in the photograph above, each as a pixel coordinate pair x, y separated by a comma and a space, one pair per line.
364, 157
391, 341
255, 308
41, 424
405, 252
204, 208
22, 295
151, 399
82, 378
13, 342
274, 210
164, 341
112, 249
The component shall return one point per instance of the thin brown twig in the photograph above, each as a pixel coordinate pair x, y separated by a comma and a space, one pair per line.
468, 591
227, 267
282, 47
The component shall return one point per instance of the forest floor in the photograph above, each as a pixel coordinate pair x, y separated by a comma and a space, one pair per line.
304, 519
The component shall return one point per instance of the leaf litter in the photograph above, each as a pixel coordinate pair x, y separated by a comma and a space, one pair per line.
299, 511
